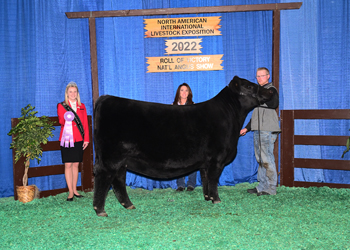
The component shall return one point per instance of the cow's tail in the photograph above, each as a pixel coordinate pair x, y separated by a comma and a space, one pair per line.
97, 111
97, 121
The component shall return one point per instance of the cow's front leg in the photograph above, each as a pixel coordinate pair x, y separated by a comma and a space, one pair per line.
214, 173
102, 184
119, 189
204, 177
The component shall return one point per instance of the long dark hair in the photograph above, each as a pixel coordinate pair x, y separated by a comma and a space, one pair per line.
189, 97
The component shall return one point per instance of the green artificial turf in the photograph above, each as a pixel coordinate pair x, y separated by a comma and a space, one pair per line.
296, 218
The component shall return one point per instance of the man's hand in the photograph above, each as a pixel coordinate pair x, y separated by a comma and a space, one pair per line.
243, 131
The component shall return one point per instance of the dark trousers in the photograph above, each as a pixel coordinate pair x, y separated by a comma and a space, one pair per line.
192, 180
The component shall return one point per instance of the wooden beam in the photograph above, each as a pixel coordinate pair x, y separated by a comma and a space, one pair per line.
321, 164
324, 140
190, 10
276, 67
86, 167
322, 114
93, 55
46, 170
276, 48
320, 184
287, 148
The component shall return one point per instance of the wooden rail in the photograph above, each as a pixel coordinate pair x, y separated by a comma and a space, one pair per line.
289, 139
85, 168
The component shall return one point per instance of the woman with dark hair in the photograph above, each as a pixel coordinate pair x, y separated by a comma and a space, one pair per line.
74, 136
184, 97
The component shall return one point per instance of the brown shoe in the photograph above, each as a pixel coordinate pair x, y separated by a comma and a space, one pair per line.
180, 189
190, 188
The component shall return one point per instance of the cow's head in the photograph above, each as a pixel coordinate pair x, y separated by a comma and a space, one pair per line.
250, 94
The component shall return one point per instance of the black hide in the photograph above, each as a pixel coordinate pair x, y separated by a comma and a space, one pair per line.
167, 141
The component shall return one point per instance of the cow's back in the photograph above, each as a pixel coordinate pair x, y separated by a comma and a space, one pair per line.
155, 138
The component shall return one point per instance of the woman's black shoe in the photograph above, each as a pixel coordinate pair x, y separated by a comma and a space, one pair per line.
70, 199
78, 196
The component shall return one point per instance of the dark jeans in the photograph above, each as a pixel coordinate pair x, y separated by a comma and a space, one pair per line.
192, 180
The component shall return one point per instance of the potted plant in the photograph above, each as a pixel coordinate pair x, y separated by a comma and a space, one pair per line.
27, 137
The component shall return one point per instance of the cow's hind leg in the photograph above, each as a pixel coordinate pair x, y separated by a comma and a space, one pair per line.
204, 177
103, 181
119, 189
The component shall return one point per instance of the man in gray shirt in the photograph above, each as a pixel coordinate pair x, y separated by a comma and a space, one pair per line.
264, 123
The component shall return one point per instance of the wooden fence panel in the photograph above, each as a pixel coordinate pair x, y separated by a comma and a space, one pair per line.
289, 140
85, 168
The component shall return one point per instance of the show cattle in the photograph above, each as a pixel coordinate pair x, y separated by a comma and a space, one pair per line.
168, 141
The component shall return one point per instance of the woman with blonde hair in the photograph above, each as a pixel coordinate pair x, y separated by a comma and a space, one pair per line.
74, 136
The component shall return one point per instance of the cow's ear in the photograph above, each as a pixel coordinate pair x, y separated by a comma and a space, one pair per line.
235, 84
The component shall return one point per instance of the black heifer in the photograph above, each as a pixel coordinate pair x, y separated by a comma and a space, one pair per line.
165, 141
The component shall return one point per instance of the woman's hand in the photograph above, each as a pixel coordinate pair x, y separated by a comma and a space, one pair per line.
85, 145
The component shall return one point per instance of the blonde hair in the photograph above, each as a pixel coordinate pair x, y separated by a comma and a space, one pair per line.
72, 85
263, 68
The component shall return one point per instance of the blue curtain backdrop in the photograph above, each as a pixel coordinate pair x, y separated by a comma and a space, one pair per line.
41, 50
314, 74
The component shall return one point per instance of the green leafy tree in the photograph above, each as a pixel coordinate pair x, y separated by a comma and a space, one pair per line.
28, 135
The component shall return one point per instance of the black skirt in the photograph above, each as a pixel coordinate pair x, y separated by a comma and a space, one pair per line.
74, 154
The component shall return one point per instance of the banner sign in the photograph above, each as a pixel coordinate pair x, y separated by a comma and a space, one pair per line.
189, 26
183, 46
184, 63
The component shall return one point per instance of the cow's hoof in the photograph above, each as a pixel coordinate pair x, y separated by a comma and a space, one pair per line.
131, 207
103, 214
206, 197
216, 202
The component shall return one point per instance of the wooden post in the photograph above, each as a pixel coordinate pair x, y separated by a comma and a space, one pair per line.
276, 67
93, 55
287, 148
